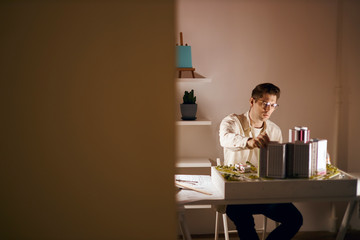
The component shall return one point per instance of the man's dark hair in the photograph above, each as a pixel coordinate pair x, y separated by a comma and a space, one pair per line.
264, 88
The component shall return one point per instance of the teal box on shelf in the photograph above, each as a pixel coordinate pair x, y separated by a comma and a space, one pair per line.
183, 56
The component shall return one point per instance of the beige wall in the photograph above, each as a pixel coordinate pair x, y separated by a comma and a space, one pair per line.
350, 79
297, 45
87, 136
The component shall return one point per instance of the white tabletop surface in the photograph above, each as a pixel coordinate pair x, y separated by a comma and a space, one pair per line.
204, 183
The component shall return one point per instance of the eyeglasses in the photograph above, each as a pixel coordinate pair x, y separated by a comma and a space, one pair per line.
267, 104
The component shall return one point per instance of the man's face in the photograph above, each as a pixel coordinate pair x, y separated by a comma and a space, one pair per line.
263, 107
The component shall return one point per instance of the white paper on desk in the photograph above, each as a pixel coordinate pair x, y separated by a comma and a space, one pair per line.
201, 182
193, 181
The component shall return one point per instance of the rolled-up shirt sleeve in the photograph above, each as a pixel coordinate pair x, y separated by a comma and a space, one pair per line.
230, 135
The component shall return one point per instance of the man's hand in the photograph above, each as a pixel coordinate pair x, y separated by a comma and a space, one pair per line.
260, 141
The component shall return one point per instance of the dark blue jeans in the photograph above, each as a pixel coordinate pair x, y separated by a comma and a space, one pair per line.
286, 214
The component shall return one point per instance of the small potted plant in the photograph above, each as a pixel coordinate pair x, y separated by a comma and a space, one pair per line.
188, 107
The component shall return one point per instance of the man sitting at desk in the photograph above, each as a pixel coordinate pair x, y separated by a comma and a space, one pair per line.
241, 136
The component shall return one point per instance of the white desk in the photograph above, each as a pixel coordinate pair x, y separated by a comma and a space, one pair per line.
204, 183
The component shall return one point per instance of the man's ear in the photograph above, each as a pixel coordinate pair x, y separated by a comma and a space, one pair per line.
252, 101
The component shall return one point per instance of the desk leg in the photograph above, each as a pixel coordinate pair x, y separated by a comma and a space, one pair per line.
217, 225
183, 226
346, 220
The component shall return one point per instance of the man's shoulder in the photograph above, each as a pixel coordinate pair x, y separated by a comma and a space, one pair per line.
230, 116
234, 115
233, 119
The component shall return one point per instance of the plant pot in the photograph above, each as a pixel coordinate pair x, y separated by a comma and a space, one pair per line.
188, 111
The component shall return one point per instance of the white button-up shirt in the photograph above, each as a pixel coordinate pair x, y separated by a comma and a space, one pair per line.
235, 130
